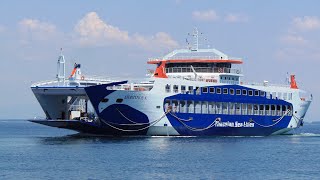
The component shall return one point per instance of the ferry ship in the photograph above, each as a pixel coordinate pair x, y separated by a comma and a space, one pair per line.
198, 92
64, 100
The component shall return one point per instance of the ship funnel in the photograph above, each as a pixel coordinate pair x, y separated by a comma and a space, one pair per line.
76, 72
293, 83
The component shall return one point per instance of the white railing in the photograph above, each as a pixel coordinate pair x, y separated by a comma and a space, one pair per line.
194, 57
265, 84
203, 70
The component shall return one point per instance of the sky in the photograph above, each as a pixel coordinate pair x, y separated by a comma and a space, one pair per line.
116, 38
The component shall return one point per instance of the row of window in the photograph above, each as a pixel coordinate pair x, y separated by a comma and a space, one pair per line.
230, 91
206, 107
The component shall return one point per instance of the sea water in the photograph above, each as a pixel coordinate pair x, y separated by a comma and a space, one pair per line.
32, 151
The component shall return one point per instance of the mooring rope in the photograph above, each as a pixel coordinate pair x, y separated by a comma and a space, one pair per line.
133, 130
277, 120
182, 121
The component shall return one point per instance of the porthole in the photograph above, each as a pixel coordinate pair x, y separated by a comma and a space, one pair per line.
104, 100
119, 100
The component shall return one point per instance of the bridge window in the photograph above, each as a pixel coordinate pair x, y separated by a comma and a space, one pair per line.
211, 89
262, 93
250, 93
231, 91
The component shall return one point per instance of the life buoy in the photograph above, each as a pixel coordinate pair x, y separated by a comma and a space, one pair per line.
82, 77
220, 70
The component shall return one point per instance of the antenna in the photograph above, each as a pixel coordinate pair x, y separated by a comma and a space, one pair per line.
195, 35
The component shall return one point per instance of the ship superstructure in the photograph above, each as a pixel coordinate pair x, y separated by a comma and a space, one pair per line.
198, 92
64, 100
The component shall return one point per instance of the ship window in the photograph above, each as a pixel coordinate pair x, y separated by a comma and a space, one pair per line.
198, 92
274, 94
232, 91
225, 90
175, 106
205, 90
211, 89
250, 109
238, 92
190, 89
244, 109
244, 92
197, 107
231, 108
182, 106
262, 93
284, 108
168, 88
119, 100
190, 107
105, 100
268, 95
279, 95
250, 93
290, 96
224, 108
285, 96
167, 104
175, 88
256, 92
183, 89
204, 107
218, 90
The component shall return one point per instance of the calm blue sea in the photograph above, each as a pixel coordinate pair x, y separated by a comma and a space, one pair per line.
31, 151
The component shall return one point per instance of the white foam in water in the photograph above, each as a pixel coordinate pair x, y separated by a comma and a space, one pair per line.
307, 134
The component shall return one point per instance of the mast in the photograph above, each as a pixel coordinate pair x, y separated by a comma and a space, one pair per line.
61, 69
195, 39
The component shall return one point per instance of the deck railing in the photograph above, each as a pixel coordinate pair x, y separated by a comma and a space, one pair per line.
203, 70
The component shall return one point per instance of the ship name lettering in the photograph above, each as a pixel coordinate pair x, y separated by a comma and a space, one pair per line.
135, 97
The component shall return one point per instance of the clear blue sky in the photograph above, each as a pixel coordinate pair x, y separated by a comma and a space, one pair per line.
115, 38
